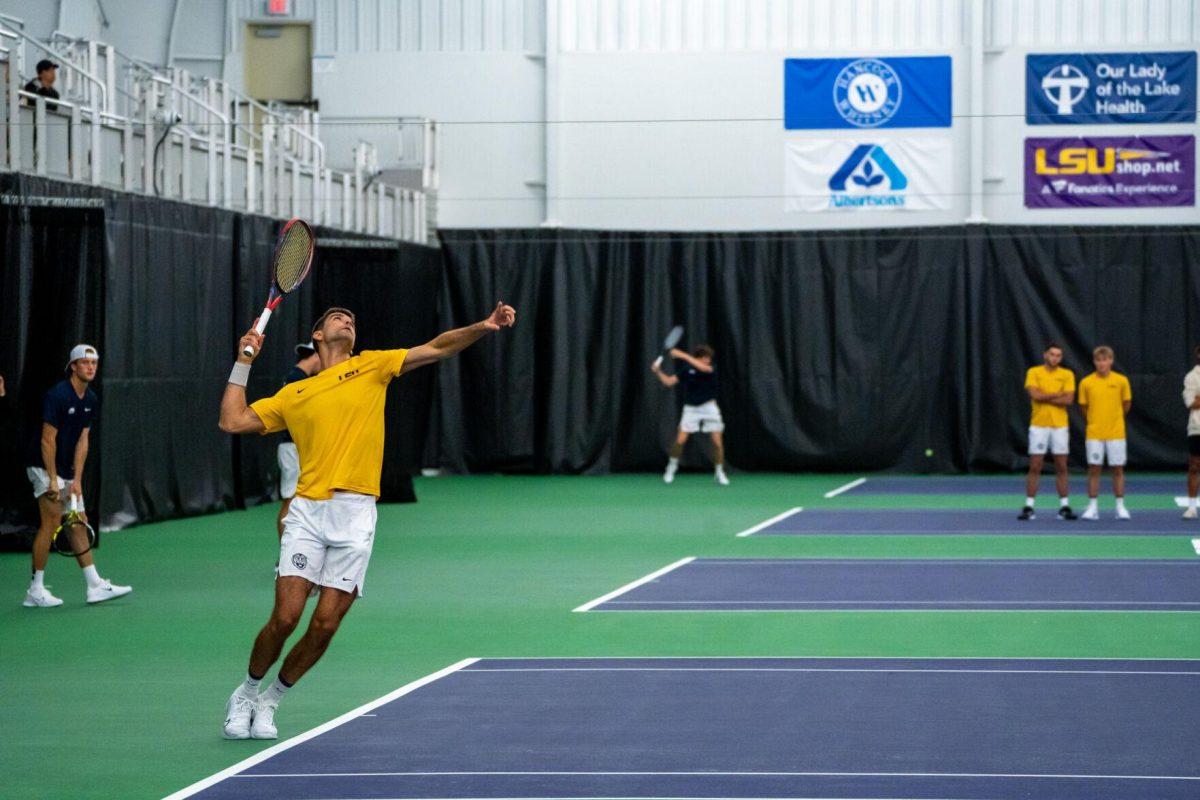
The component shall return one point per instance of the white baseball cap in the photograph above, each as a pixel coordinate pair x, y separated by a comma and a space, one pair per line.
82, 351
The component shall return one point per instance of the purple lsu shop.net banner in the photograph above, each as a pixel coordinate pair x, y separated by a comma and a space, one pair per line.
1110, 171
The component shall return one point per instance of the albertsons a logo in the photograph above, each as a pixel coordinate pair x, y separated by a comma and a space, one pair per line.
867, 93
868, 178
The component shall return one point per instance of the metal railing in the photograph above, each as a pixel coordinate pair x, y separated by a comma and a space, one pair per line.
128, 125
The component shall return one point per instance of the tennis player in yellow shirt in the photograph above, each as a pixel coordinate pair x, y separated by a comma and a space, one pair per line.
1051, 388
1105, 397
335, 418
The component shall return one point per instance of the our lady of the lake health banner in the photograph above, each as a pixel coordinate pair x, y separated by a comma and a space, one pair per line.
823, 93
1108, 88
1110, 171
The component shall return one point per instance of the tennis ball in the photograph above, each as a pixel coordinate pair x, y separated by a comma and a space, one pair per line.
929, 452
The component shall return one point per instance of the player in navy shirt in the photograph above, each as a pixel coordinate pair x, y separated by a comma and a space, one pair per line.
289, 460
55, 465
698, 376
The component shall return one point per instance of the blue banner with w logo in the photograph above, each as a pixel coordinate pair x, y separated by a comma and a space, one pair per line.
909, 92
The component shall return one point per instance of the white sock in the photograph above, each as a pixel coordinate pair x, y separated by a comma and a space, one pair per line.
1191, 502
1120, 503
1092, 504
91, 576
249, 687
672, 463
720, 468
1063, 502
275, 691
39, 578
1029, 502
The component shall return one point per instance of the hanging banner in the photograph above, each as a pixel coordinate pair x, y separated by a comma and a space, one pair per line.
881, 175
911, 92
1108, 171
1107, 88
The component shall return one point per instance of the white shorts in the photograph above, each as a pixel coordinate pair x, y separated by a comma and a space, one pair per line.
705, 417
41, 480
1057, 440
329, 541
289, 469
1101, 450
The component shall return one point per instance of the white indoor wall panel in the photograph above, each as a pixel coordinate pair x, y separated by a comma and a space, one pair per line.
1096, 23
349, 26
600, 26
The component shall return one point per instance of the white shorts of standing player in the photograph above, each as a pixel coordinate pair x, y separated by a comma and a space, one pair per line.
704, 418
1056, 440
41, 481
1100, 451
329, 541
289, 470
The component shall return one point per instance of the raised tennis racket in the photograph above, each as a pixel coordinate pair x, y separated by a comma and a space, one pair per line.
73, 527
289, 267
672, 339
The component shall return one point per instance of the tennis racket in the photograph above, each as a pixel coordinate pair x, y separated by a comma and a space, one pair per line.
290, 264
672, 339
73, 520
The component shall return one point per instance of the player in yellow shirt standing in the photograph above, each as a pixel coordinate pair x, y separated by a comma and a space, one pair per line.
1105, 397
336, 420
1051, 389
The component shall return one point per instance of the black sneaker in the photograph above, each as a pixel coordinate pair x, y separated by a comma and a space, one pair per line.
1066, 513
1026, 513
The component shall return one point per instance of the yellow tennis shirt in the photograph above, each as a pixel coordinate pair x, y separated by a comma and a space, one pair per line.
1047, 415
1103, 399
336, 420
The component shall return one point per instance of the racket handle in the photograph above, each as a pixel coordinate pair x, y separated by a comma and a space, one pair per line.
658, 361
248, 351
75, 503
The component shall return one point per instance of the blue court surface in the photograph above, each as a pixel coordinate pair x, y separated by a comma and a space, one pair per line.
754, 728
760, 584
1011, 485
916, 522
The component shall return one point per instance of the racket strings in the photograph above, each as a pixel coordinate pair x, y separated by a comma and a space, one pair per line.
292, 260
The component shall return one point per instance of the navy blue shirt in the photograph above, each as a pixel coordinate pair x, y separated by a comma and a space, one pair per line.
294, 374
71, 415
698, 387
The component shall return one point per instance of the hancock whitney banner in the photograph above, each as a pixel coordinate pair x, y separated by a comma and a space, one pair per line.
864, 174
900, 92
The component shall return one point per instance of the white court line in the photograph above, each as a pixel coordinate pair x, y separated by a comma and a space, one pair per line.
771, 521
588, 606
825, 658
845, 487
915, 602
949, 560
720, 774
259, 757
890, 671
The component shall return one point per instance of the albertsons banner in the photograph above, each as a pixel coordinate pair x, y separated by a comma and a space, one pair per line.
869, 174
1105, 88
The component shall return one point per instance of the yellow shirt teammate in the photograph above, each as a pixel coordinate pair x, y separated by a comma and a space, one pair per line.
1051, 388
1105, 396
336, 420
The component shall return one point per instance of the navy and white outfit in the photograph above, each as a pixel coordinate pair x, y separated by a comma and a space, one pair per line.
71, 415
700, 411
289, 458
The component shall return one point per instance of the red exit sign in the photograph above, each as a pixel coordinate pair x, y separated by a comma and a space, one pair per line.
279, 7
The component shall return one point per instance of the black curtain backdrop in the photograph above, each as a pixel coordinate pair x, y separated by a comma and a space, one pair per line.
897, 349
165, 290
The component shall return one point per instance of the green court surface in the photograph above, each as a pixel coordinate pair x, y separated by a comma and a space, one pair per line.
126, 699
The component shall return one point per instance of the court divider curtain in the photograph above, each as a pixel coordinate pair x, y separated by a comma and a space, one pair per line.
898, 349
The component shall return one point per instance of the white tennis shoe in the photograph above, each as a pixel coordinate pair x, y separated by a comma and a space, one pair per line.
1123, 513
1190, 513
669, 475
40, 598
106, 591
264, 721
1091, 514
239, 712
720, 476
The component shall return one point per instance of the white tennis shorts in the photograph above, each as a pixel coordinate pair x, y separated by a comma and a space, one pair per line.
41, 480
289, 469
1057, 440
1101, 450
329, 541
705, 417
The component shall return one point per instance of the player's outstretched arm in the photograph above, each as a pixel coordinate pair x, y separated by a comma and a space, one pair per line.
663, 378
236, 416
453, 342
689, 358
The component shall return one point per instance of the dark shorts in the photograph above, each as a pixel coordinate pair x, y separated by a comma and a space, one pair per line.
1194, 446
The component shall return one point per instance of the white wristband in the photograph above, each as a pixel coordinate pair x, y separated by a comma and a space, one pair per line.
240, 374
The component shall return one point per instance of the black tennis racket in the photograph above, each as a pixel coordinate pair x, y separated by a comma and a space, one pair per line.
289, 267
672, 339
73, 526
